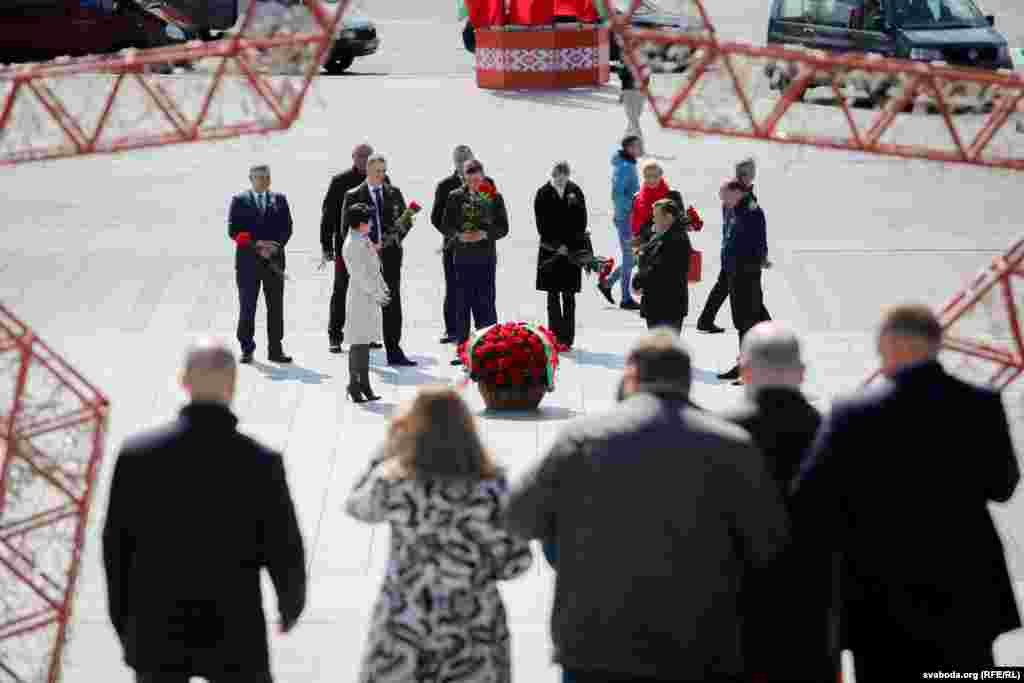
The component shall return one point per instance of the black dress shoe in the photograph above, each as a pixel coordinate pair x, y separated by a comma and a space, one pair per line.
246, 358
733, 374
376, 345
279, 357
606, 290
457, 361
710, 329
401, 362
334, 347
447, 339
629, 306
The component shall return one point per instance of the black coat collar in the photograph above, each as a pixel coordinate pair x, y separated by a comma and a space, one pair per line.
208, 413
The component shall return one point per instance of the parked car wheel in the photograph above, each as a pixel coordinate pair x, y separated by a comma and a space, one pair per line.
340, 64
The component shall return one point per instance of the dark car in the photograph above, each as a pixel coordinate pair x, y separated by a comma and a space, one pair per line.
357, 37
950, 31
648, 16
41, 30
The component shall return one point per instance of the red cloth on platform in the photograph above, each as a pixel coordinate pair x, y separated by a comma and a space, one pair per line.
531, 12
486, 13
643, 204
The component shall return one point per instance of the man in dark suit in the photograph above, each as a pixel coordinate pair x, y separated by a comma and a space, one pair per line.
331, 223
461, 155
783, 425
898, 481
268, 220
662, 267
744, 256
183, 576
387, 205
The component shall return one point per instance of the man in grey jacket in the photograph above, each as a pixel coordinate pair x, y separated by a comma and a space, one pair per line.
657, 510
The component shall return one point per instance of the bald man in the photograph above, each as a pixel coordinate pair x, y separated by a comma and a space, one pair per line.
460, 155
332, 235
783, 425
899, 482
196, 510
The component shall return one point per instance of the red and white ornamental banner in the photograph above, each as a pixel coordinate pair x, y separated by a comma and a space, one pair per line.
513, 58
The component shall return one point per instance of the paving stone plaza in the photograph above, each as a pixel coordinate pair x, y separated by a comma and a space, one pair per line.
119, 261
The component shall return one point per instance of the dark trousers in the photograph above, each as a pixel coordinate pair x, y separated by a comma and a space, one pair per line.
747, 300
904, 660
448, 261
250, 276
576, 676
391, 267
719, 293
475, 293
562, 316
336, 325
676, 324
264, 677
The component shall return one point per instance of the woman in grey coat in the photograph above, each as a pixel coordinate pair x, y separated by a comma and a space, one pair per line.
367, 292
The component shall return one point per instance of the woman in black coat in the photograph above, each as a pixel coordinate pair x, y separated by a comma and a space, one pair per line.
663, 266
561, 213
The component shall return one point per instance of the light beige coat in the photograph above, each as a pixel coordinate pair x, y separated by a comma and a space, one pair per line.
367, 291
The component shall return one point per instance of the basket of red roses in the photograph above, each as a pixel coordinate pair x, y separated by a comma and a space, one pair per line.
513, 364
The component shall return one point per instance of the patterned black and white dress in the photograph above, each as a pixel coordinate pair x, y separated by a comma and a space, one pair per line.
439, 616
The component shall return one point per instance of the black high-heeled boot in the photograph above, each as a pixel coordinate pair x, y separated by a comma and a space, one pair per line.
354, 390
364, 374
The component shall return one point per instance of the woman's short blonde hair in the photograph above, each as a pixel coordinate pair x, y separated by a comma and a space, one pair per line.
651, 163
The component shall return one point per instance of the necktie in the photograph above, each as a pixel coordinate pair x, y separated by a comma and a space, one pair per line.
375, 233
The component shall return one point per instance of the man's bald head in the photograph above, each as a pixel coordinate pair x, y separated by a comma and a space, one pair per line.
209, 372
771, 357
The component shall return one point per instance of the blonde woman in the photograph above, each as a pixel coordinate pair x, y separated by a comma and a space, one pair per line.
439, 615
367, 292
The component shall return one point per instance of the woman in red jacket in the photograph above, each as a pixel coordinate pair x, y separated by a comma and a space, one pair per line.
654, 188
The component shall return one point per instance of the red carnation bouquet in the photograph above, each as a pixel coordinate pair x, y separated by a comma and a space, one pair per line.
403, 224
244, 241
695, 223
511, 354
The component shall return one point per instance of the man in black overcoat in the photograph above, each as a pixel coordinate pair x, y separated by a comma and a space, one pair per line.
560, 210
265, 215
783, 424
662, 267
331, 223
196, 510
744, 257
449, 184
899, 481
386, 204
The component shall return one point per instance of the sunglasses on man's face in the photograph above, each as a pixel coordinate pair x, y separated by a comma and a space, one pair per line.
474, 171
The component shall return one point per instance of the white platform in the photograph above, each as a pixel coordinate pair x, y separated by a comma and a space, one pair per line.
118, 262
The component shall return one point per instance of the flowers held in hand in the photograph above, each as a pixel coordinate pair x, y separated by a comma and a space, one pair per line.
403, 224
583, 258
511, 354
245, 242
606, 270
695, 223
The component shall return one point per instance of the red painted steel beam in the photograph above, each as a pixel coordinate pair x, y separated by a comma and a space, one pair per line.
41, 84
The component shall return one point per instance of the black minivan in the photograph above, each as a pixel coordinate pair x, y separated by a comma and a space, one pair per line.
950, 31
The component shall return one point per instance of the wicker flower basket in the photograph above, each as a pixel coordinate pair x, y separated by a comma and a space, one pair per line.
511, 397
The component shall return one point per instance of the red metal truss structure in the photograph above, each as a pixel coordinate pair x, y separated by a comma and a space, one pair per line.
743, 91
982, 339
52, 427
92, 105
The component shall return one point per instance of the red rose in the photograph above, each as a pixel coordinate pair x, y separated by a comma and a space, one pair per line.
243, 239
488, 190
695, 220
500, 378
414, 207
490, 365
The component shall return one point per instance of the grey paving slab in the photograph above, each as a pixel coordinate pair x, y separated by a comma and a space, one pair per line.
118, 262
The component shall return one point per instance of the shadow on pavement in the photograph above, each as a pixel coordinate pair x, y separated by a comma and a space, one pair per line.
577, 98
297, 373
542, 414
612, 361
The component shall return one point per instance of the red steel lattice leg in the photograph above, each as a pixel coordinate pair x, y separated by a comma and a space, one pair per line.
52, 427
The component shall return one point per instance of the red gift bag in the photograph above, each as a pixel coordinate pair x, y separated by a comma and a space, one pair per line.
696, 260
